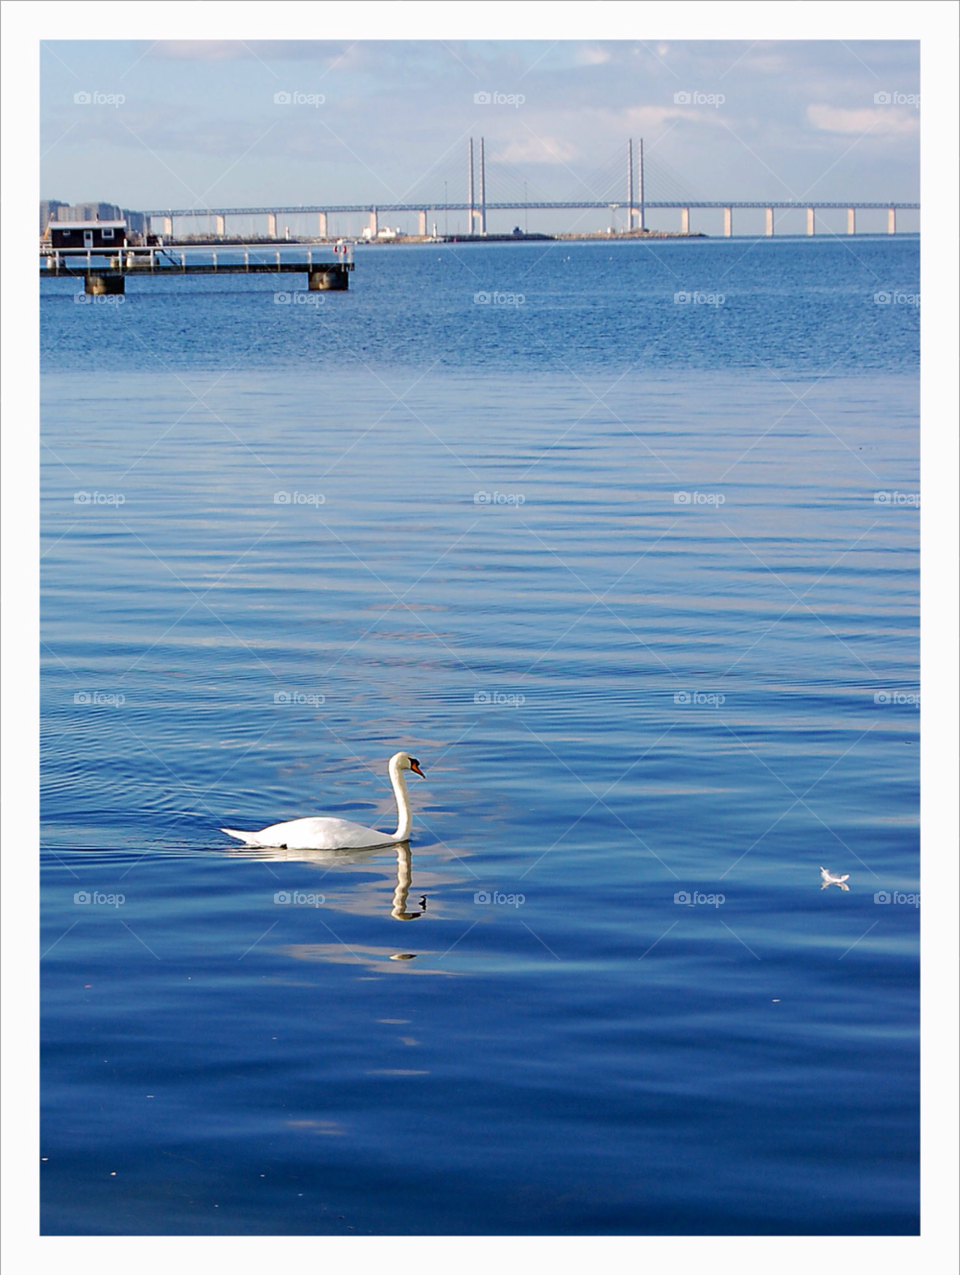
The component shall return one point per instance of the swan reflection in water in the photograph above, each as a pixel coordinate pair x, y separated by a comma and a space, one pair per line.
334, 858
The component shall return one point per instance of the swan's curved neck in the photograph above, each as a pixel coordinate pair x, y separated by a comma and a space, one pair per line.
404, 817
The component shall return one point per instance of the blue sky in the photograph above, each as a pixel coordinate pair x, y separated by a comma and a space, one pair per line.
199, 124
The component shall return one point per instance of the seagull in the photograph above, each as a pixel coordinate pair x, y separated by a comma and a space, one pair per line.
830, 878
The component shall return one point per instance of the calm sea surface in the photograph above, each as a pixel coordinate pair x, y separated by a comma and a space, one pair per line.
636, 579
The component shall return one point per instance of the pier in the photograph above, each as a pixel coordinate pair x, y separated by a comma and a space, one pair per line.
104, 271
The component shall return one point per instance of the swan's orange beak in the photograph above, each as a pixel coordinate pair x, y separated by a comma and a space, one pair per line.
415, 767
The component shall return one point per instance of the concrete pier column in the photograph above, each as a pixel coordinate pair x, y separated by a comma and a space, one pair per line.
727, 222
104, 285
271, 225
811, 220
851, 221
374, 224
891, 221
770, 222
168, 225
322, 225
221, 224
684, 221
422, 222
335, 280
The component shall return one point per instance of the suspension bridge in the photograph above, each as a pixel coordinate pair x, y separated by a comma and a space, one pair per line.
628, 185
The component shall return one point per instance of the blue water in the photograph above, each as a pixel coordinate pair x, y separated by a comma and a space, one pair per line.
637, 582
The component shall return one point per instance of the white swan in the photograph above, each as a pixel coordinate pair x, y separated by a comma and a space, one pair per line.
326, 833
831, 878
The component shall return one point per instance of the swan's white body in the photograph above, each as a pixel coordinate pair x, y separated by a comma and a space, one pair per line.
830, 878
329, 833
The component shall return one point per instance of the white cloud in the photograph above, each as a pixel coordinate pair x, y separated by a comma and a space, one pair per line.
881, 120
539, 150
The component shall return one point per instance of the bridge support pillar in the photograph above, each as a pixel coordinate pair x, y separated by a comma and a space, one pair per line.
770, 223
891, 221
422, 223
684, 221
727, 222
322, 225
327, 280
104, 285
271, 225
811, 220
221, 224
168, 225
374, 225
851, 221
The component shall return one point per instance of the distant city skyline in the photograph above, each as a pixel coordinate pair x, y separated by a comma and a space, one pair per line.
221, 123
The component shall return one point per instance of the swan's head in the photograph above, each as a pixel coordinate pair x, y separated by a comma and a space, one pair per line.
403, 761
